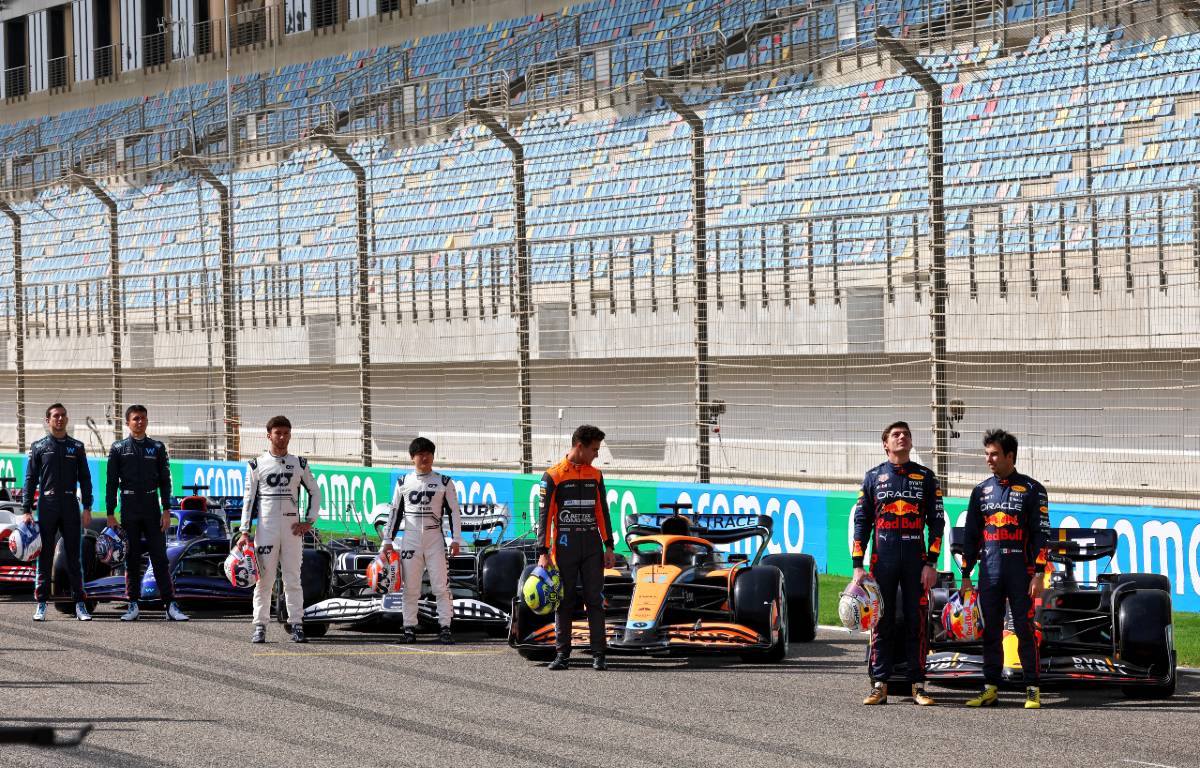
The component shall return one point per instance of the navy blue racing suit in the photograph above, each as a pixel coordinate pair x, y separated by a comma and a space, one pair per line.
140, 473
1006, 532
55, 469
895, 506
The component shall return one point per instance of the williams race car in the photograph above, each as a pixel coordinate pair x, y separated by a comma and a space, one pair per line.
1114, 631
677, 594
483, 580
197, 546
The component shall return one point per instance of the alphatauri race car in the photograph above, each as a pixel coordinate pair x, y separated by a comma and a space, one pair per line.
1116, 630
197, 546
483, 579
677, 594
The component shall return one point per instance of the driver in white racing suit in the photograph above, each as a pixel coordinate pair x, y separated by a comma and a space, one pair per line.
421, 500
273, 483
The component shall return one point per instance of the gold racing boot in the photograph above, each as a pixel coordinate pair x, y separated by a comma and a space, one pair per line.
1033, 697
878, 695
920, 698
987, 698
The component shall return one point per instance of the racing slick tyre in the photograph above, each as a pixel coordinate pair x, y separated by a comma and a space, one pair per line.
759, 603
314, 579
1144, 581
1145, 638
801, 588
60, 579
499, 582
525, 621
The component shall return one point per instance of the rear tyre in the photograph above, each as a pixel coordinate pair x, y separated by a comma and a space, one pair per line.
314, 580
800, 587
1146, 638
525, 621
60, 576
759, 602
500, 577
1144, 581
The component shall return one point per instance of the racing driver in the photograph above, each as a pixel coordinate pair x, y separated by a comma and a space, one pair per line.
899, 500
56, 467
421, 500
1007, 533
273, 482
139, 472
575, 535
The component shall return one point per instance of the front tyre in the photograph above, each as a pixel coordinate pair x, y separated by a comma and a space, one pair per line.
759, 603
801, 586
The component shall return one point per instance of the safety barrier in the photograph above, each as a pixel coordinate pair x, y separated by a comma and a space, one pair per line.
1150, 539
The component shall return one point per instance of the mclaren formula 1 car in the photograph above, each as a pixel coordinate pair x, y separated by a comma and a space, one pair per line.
678, 594
483, 580
197, 546
1114, 631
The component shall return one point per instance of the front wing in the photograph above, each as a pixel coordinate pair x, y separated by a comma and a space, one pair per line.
189, 588
695, 638
17, 573
1083, 668
370, 610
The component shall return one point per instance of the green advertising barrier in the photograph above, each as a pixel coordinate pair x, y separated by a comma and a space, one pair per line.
1150, 539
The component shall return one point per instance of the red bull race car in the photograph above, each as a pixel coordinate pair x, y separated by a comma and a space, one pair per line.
679, 594
1116, 630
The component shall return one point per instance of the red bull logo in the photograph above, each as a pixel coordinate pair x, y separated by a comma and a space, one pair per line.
904, 516
900, 507
1000, 520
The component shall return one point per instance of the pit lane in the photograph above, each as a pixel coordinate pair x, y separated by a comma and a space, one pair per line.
199, 694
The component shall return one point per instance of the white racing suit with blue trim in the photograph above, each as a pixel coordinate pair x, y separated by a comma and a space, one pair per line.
273, 491
421, 501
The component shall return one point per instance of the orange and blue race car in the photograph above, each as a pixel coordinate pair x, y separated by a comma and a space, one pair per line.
1114, 630
678, 593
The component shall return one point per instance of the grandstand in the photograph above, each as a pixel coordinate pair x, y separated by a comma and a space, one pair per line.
345, 244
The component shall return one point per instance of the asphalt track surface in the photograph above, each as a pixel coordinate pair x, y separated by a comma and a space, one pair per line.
198, 694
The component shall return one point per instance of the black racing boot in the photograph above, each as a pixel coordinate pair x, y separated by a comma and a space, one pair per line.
561, 661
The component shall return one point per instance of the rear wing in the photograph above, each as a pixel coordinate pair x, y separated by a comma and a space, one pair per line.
195, 503
716, 528
1067, 545
476, 518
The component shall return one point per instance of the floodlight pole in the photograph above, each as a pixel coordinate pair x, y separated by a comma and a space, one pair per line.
937, 230
19, 310
524, 285
340, 151
114, 293
229, 357
664, 91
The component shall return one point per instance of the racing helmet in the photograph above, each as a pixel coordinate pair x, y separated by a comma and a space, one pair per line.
383, 574
111, 546
962, 617
241, 567
542, 590
25, 541
860, 607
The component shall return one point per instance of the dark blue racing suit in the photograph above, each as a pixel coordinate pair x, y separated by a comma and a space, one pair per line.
139, 472
1006, 532
55, 469
895, 506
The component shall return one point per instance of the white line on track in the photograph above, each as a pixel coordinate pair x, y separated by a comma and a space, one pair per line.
1141, 762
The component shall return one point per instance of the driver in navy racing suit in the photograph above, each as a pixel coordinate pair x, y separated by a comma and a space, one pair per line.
1007, 534
899, 500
